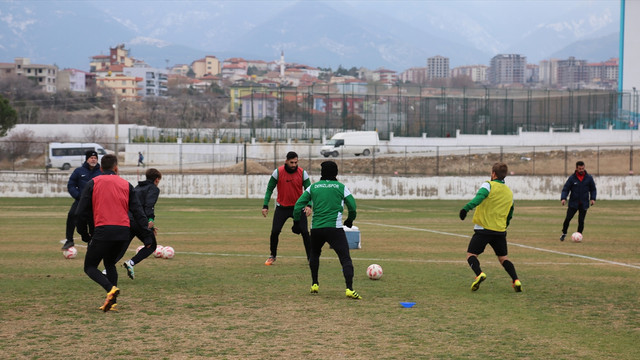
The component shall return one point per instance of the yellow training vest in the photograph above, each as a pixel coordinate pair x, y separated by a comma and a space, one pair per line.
492, 212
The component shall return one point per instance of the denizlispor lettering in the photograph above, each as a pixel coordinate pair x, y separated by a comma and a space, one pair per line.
336, 186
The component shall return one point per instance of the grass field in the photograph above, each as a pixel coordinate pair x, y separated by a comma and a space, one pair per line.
216, 299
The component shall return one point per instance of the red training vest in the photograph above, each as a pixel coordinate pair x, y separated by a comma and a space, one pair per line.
289, 186
110, 200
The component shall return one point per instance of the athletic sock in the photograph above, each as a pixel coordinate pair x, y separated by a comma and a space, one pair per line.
131, 262
475, 264
511, 270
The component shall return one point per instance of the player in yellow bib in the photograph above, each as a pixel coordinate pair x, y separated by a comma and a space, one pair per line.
494, 208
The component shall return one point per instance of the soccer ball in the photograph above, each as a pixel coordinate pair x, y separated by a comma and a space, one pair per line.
576, 237
158, 252
70, 253
139, 248
374, 271
167, 252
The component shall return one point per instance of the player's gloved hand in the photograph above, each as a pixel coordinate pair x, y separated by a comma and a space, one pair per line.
463, 214
296, 229
86, 237
348, 223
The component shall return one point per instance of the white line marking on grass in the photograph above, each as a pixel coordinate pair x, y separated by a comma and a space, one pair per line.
511, 243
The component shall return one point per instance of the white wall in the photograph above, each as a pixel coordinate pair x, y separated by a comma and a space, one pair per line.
363, 187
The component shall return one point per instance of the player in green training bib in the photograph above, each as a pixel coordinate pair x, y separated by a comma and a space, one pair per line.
329, 198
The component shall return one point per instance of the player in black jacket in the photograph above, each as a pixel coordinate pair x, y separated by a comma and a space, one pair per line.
581, 190
147, 193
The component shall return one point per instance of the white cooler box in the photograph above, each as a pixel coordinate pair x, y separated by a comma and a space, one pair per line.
353, 237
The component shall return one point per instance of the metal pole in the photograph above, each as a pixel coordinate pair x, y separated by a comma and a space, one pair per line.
116, 121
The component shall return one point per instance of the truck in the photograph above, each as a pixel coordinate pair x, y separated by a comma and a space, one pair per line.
351, 143
65, 156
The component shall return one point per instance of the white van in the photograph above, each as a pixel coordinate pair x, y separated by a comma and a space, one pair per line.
65, 156
351, 143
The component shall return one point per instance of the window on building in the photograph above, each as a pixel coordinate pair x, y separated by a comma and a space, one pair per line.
124, 91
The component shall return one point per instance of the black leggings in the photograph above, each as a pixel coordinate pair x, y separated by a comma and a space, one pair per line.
142, 234
337, 239
107, 252
71, 221
582, 213
280, 216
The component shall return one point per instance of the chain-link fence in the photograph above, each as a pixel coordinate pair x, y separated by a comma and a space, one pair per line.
384, 159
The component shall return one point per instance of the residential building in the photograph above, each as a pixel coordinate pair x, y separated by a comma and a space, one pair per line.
477, 73
437, 67
43, 75
207, 65
258, 106
117, 56
124, 87
507, 69
385, 76
416, 75
604, 74
572, 73
180, 69
244, 88
260, 65
153, 81
548, 72
73, 80
532, 74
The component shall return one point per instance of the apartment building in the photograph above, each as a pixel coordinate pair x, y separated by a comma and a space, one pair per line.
117, 56
507, 69
385, 76
532, 73
45, 76
73, 80
126, 88
548, 72
415, 75
207, 65
477, 73
257, 106
604, 74
437, 67
572, 73
180, 69
153, 81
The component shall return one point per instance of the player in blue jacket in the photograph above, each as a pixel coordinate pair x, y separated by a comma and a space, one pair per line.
78, 179
581, 190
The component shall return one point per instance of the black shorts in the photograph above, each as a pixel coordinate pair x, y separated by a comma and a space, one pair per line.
497, 240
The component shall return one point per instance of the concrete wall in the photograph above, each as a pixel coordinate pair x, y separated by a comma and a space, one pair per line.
363, 187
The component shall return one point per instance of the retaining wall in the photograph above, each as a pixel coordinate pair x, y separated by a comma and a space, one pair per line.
21, 184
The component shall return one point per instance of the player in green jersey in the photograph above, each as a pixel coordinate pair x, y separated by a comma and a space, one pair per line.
329, 197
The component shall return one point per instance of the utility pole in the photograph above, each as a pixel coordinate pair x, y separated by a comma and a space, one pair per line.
116, 121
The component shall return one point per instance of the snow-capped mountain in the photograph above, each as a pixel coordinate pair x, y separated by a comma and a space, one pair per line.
391, 34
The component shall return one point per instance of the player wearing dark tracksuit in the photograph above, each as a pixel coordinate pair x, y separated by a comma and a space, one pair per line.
329, 198
290, 180
78, 179
147, 193
103, 222
581, 191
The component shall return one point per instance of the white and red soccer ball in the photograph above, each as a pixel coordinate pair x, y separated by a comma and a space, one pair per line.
168, 252
374, 271
576, 237
70, 253
158, 252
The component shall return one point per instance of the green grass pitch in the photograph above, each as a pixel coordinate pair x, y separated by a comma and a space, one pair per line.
217, 300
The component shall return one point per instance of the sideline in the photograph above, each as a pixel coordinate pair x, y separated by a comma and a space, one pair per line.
512, 243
